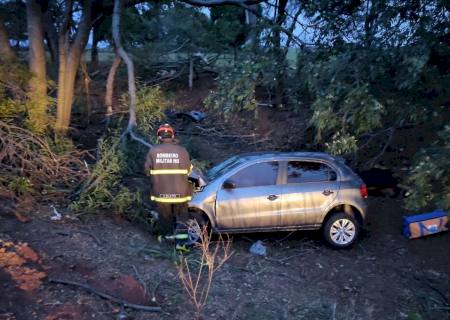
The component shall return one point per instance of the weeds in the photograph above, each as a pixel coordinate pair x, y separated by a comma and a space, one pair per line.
20, 186
197, 275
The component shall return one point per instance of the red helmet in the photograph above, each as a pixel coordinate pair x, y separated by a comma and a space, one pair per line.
165, 129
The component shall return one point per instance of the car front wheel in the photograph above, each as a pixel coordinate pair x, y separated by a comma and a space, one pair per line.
341, 230
194, 227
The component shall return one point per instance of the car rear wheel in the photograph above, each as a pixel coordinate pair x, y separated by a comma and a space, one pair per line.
341, 230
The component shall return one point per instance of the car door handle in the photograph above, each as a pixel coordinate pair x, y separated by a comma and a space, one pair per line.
327, 192
272, 197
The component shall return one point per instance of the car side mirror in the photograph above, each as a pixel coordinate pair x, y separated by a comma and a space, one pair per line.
228, 184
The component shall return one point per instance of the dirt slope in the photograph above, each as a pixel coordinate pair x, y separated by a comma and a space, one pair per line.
385, 276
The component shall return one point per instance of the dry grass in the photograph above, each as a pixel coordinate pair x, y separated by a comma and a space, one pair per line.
197, 274
29, 165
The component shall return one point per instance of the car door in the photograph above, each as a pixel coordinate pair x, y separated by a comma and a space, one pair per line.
255, 199
309, 188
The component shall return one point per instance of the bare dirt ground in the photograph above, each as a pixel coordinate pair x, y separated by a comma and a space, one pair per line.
384, 276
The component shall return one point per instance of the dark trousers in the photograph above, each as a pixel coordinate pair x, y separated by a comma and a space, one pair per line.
169, 213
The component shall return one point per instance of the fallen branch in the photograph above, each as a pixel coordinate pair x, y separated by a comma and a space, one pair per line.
283, 260
284, 238
107, 296
155, 288
90, 234
67, 233
137, 138
138, 276
369, 164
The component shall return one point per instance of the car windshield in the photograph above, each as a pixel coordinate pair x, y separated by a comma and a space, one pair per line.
223, 167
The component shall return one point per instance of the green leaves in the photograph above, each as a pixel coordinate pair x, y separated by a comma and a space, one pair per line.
340, 119
430, 176
341, 143
151, 103
362, 111
237, 87
103, 189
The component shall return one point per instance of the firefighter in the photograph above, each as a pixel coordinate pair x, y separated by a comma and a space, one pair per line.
169, 165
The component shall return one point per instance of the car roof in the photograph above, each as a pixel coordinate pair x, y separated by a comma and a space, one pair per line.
280, 155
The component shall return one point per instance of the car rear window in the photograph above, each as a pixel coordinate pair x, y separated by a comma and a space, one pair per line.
304, 171
256, 175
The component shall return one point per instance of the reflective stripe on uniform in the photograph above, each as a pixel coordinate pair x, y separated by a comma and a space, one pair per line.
169, 171
170, 200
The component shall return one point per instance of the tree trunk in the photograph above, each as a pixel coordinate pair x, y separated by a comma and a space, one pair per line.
6, 52
51, 37
279, 57
130, 67
131, 79
87, 90
37, 106
69, 61
110, 87
191, 72
94, 53
95, 41
251, 20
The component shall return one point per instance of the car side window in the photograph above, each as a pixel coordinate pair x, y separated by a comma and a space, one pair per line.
304, 171
259, 174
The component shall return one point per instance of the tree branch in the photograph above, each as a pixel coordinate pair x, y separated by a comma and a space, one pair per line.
107, 296
110, 87
5, 48
287, 32
215, 3
131, 78
130, 66
369, 164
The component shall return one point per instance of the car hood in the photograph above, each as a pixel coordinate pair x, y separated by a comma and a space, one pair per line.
198, 178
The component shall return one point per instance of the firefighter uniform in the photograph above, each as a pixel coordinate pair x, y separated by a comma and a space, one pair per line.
168, 165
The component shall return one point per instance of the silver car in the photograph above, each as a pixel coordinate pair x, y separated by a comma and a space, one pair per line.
282, 191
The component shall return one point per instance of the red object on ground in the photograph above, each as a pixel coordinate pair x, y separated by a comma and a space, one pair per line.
363, 191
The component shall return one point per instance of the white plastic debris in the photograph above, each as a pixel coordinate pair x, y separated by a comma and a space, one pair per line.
56, 216
258, 248
154, 215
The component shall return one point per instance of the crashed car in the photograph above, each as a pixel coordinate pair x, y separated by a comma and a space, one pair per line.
282, 191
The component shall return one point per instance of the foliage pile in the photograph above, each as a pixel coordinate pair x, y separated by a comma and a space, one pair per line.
119, 157
30, 167
103, 189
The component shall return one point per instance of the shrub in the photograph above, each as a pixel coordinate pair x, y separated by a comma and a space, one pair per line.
430, 176
104, 189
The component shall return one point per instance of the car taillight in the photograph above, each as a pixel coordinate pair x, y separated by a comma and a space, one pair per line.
363, 191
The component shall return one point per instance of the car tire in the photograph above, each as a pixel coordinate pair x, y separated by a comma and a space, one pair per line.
341, 230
